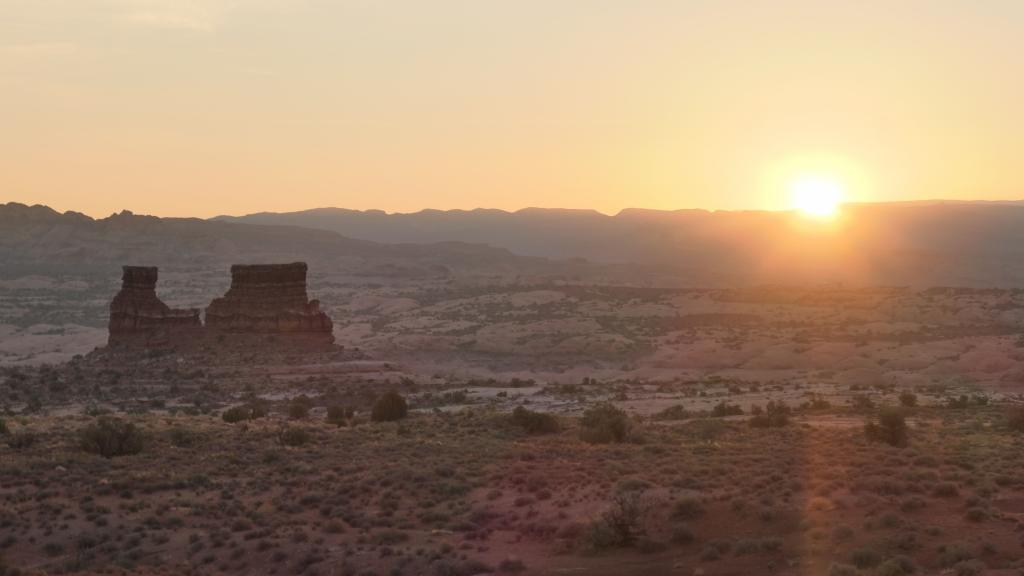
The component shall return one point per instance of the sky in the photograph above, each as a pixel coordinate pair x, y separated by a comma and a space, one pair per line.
198, 108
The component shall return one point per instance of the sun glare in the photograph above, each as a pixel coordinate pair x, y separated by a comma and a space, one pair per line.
816, 196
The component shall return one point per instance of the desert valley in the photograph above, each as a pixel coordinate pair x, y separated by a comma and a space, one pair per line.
481, 411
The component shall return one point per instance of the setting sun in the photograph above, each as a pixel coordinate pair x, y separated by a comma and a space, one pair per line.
816, 196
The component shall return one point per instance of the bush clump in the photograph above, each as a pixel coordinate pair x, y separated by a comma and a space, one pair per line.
621, 525
1015, 419
775, 415
21, 440
245, 412
389, 407
298, 408
534, 422
110, 437
723, 409
3, 428
339, 415
291, 436
889, 426
604, 423
908, 399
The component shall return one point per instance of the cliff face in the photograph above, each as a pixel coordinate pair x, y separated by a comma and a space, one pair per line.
264, 302
138, 316
269, 299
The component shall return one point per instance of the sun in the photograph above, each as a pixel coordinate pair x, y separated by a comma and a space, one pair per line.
816, 196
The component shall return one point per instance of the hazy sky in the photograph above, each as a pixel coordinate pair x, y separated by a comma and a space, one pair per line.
192, 107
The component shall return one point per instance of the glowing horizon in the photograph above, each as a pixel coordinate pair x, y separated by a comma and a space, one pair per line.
211, 107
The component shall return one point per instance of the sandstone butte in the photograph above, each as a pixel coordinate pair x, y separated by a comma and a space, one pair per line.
266, 304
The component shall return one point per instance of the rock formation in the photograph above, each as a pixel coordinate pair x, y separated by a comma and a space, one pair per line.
266, 304
138, 317
269, 299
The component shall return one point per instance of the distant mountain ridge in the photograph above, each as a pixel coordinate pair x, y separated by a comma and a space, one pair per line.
36, 239
934, 243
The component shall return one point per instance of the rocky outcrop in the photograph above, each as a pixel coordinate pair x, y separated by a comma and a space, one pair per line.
266, 304
269, 299
139, 317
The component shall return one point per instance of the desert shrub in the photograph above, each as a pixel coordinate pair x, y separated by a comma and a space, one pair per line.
604, 423
864, 558
621, 525
889, 426
298, 408
682, 535
675, 412
110, 437
946, 490
862, 403
21, 440
688, 508
182, 438
534, 422
3, 428
842, 570
249, 411
976, 514
235, 414
775, 415
969, 568
339, 415
896, 566
958, 403
952, 554
908, 399
292, 436
389, 407
724, 409
511, 565
1015, 419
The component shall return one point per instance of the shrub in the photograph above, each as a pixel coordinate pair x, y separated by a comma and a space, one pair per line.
235, 414
688, 508
723, 409
865, 558
291, 436
842, 570
621, 525
389, 407
298, 408
250, 411
908, 399
110, 437
534, 422
511, 565
896, 566
1014, 420
3, 428
675, 412
890, 426
775, 415
21, 440
682, 535
339, 415
182, 438
604, 423
959, 403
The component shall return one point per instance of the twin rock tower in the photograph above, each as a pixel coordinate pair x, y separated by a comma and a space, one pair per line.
267, 303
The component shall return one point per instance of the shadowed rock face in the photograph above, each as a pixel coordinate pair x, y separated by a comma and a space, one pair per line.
137, 316
264, 301
269, 299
